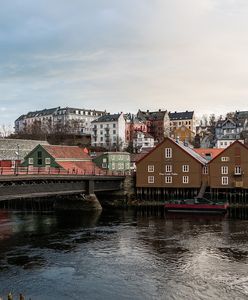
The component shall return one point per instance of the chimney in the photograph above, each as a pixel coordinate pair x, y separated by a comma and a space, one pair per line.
147, 111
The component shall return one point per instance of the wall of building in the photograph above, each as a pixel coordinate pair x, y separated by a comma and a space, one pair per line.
179, 158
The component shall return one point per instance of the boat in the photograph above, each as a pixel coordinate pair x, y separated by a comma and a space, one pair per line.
198, 205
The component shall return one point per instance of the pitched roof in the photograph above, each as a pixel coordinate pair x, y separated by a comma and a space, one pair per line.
208, 152
107, 118
82, 167
181, 145
12, 149
39, 113
152, 115
185, 115
66, 152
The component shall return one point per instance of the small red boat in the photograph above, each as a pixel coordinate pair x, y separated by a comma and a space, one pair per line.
198, 205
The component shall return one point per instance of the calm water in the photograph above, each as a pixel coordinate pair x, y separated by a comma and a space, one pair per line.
116, 255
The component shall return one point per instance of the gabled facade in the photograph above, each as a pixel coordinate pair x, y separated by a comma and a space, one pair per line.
70, 158
170, 165
109, 132
229, 169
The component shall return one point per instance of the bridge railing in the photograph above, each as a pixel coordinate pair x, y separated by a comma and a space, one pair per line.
60, 171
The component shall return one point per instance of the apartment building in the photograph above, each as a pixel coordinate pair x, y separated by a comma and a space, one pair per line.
157, 122
178, 119
67, 119
109, 132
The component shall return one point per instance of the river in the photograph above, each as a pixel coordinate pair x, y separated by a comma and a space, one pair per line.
117, 255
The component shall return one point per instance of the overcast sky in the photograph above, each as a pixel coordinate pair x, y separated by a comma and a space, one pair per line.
122, 55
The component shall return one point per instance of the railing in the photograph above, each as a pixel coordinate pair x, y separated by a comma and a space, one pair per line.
60, 171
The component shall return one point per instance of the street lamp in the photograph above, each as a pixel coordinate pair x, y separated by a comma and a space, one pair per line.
18, 157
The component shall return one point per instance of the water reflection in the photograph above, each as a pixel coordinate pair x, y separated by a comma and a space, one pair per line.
116, 255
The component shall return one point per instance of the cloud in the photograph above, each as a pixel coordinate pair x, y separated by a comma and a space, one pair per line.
123, 55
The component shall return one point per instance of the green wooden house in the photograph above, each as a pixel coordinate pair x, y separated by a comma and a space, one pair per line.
113, 161
72, 159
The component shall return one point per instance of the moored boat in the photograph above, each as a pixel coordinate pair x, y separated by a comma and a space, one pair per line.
198, 205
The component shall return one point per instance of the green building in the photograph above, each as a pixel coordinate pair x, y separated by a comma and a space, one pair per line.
113, 161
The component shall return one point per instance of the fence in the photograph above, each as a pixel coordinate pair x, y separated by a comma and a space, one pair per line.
60, 171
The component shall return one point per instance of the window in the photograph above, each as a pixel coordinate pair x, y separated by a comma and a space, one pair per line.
168, 152
224, 180
150, 179
114, 131
168, 168
47, 160
205, 170
150, 168
113, 165
237, 170
224, 170
30, 161
104, 165
114, 125
185, 168
185, 179
224, 158
120, 166
168, 179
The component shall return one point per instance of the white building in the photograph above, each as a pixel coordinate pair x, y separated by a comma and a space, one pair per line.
227, 140
70, 120
79, 120
109, 132
142, 140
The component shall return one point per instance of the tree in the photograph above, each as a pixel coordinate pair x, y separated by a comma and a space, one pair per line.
212, 120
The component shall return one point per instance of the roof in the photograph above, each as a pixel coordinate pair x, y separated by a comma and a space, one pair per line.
86, 167
66, 152
146, 134
185, 115
205, 152
225, 149
39, 113
241, 114
12, 149
152, 115
181, 145
107, 118
73, 110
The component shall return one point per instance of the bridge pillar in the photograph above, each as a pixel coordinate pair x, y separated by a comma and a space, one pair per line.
90, 187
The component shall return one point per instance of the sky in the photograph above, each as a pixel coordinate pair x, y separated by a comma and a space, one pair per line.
122, 55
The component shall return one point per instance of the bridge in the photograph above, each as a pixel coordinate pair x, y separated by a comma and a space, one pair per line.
44, 185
